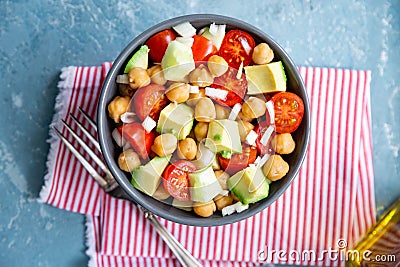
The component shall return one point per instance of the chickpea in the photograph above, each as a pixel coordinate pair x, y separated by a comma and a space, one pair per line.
118, 106
164, 144
254, 107
194, 98
205, 110
262, 54
157, 75
138, 77
125, 90
283, 143
191, 134
222, 178
217, 65
275, 168
187, 149
204, 209
178, 92
128, 160
242, 117
244, 129
235, 198
221, 112
201, 130
223, 201
200, 76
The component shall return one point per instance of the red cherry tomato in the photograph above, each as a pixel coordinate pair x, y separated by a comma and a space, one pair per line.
149, 101
137, 136
260, 130
238, 161
202, 48
236, 87
237, 46
176, 179
158, 43
289, 110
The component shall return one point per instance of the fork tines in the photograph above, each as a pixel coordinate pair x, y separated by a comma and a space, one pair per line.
107, 181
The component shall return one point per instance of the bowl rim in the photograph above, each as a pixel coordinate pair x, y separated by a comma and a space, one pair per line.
135, 194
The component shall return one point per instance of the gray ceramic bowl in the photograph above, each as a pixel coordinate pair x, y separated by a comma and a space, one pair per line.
106, 125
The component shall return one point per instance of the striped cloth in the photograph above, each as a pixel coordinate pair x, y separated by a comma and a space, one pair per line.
328, 207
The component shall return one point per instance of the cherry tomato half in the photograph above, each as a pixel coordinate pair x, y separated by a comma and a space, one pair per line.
149, 101
236, 87
158, 43
202, 48
137, 136
238, 161
260, 130
237, 46
289, 110
176, 179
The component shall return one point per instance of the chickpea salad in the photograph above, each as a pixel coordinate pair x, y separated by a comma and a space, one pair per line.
203, 117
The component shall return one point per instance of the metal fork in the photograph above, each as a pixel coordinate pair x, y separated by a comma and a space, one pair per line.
109, 184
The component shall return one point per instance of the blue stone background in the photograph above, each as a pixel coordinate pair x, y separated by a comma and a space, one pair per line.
38, 38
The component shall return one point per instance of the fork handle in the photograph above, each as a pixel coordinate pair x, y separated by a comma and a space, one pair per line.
184, 257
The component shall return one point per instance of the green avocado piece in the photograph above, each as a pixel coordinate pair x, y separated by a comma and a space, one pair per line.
267, 78
176, 119
177, 61
139, 60
223, 136
249, 185
204, 186
147, 177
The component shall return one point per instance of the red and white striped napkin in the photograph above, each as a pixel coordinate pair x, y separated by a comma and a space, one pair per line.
328, 207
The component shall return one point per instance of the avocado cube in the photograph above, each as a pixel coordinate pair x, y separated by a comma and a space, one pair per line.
177, 61
139, 60
176, 119
267, 78
204, 186
223, 135
147, 178
249, 185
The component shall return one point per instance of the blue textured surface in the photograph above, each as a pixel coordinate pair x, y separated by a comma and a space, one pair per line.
38, 38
